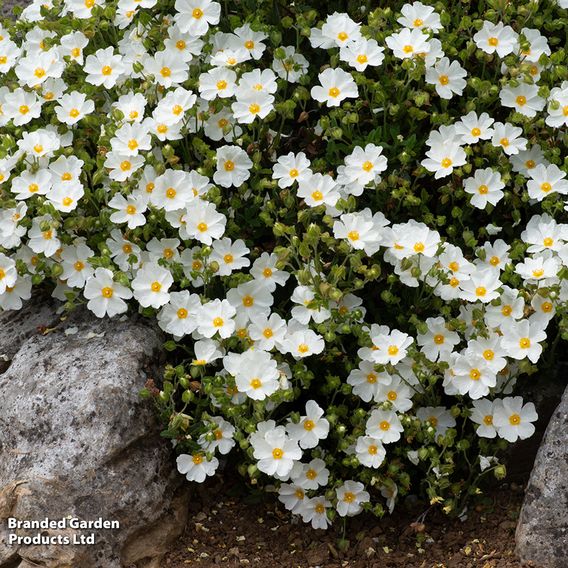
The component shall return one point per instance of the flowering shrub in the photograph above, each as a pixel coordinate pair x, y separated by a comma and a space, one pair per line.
351, 223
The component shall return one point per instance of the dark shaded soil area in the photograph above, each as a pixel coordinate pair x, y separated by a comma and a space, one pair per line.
229, 528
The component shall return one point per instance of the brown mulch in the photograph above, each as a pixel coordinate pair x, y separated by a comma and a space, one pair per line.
227, 528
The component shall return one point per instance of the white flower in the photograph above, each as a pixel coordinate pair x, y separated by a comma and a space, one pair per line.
255, 373
523, 98
384, 425
546, 180
8, 273
312, 475
437, 417
179, 315
216, 316
233, 166
130, 210
203, 222
522, 339
442, 159
496, 38
370, 452
151, 285
291, 168
311, 429
318, 189
408, 43
365, 380
336, 86
195, 16
223, 432
513, 419
275, 452
447, 77
350, 498
482, 413
473, 128
438, 342
105, 296
196, 467
73, 107
104, 68
315, 512
509, 138
485, 187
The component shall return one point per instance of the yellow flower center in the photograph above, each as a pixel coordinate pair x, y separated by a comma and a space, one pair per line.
444, 79
156, 287
78, 266
267, 272
342, 36
107, 292
493, 41
127, 249
277, 453
514, 420
33, 188
125, 166
24, 109
171, 193
309, 425
303, 348
538, 273
181, 313
392, 395
202, 227
419, 247
446, 162
180, 44
268, 333
488, 354
229, 165
507, 310
362, 59
132, 144
349, 497
530, 164
256, 383
474, 375
521, 100
221, 85
480, 291
38, 148
218, 322
162, 128
249, 44
317, 195
311, 473
367, 166
504, 142
548, 242
384, 426
254, 108
334, 92
353, 235
197, 459
546, 187
372, 449
248, 301
39, 72
439, 339
408, 49
475, 131
494, 260
197, 13
546, 307
66, 201
524, 343
483, 189
371, 378
106, 70
488, 420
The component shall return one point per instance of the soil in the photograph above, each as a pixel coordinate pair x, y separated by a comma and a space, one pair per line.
228, 527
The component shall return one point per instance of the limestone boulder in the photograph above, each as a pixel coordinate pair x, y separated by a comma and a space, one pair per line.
542, 531
77, 441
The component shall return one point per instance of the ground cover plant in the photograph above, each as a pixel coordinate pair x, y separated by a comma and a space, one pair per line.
349, 217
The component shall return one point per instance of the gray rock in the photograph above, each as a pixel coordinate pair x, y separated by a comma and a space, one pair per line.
542, 531
76, 440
